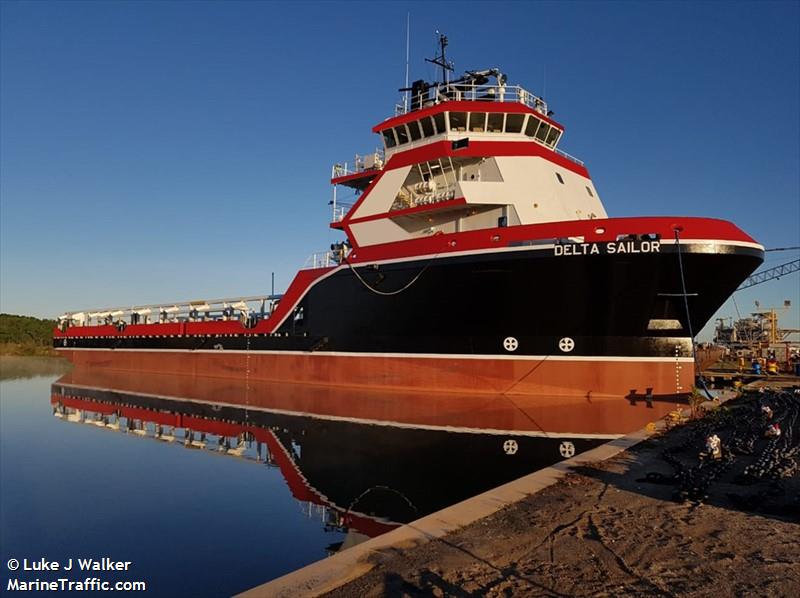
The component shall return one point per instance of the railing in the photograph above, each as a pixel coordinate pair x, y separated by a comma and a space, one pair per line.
339, 211
373, 161
568, 156
322, 259
410, 198
234, 308
464, 91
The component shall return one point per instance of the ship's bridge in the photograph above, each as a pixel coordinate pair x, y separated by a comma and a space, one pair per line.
469, 105
470, 154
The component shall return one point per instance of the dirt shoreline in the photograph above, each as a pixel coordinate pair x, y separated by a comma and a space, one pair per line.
610, 530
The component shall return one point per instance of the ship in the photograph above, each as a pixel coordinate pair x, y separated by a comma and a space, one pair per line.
476, 257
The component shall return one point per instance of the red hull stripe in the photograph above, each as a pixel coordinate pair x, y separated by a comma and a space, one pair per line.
463, 106
592, 231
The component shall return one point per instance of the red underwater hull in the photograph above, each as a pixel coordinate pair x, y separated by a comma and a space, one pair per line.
580, 377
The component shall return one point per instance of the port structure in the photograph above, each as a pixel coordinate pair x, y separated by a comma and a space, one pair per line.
771, 274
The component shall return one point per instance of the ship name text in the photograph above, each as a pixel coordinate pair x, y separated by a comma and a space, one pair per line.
611, 248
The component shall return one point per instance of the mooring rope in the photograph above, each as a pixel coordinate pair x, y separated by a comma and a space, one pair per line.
390, 293
698, 377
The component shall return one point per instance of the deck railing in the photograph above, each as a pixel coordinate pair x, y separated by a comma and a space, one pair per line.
322, 259
373, 161
568, 156
232, 308
481, 93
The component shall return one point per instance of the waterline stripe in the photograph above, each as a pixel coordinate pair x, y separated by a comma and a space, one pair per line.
483, 357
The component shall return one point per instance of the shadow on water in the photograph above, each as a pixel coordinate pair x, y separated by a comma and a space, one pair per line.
755, 473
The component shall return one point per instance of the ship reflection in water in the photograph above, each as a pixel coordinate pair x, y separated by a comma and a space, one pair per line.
364, 461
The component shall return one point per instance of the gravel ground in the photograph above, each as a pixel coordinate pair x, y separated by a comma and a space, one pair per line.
658, 520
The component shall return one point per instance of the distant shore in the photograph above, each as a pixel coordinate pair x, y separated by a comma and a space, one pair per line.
26, 336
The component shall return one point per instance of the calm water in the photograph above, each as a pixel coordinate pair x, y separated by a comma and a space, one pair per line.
211, 487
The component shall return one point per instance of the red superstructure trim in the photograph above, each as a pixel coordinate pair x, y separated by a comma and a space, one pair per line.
463, 106
364, 174
483, 149
432, 207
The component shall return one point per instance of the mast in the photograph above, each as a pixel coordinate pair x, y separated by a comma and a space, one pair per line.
441, 60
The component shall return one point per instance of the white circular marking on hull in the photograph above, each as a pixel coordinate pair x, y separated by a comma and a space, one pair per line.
566, 344
510, 343
567, 449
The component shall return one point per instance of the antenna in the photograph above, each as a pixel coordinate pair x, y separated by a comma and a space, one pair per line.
441, 60
408, 47
544, 81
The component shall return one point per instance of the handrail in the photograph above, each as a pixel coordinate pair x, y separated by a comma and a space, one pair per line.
471, 92
173, 310
568, 156
361, 163
322, 259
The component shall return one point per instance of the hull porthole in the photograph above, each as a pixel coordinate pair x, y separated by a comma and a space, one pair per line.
567, 449
566, 344
510, 447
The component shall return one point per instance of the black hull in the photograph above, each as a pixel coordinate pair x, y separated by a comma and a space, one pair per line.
469, 304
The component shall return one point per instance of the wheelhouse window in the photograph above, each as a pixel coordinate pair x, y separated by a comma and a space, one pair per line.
413, 129
514, 123
440, 122
388, 138
402, 134
495, 122
552, 137
541, 134
427, 127
458, 121
560, 180
477, 122
533, 124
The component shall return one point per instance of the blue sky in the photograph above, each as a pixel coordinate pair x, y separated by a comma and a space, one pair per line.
158, 151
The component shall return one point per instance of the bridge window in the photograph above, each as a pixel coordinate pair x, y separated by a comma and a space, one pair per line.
533, 124
495, 124
413, 128
402, 134
589, 191
477, 122
560, 180
541, 134
514, 123
458, 121
427, 127
552, 137
439, 121
388, 138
